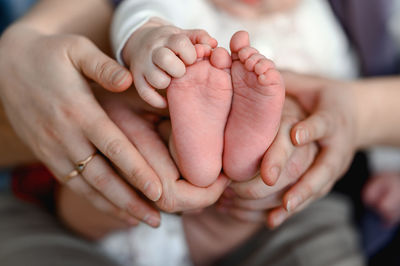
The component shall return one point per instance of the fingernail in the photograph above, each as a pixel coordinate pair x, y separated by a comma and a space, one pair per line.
274, 173
119, 77
293, 203
152, 191
279, 219
152, 220
301, 136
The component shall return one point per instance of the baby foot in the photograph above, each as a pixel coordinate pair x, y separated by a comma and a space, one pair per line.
258, 96
199, 105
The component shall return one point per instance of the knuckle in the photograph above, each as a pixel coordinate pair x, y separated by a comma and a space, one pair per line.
180, 40
104, 70
133, 207
136, 174
167, 204
113, 148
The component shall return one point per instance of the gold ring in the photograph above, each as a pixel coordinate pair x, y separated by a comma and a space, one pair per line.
79, 168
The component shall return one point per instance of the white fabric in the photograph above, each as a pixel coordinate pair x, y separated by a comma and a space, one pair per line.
145, 246
307, 39
291, 39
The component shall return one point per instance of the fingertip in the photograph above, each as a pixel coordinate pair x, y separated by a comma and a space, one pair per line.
153, 190
121, 80
299, 135
291, 202
277, 217
153, 220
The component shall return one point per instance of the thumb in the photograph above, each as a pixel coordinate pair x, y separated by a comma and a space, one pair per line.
99, 67
314, 128
299, 83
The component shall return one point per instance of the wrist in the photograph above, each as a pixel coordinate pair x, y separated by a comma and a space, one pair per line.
365, 112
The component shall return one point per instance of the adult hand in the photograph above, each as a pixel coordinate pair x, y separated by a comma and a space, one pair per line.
46, 95
332, 123
178, 194
260, 199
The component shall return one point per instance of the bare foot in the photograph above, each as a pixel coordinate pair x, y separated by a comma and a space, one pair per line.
258, 96
199, 105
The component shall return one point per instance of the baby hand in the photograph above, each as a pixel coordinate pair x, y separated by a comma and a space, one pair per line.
157, 52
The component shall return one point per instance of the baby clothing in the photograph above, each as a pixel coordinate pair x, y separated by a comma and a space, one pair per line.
307, 39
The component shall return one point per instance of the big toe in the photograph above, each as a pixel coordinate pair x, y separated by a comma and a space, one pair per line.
239, 40
220, 58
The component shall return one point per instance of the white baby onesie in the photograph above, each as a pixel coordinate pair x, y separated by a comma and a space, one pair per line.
307, 39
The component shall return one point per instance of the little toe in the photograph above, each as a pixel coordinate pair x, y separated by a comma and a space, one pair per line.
263, 66
252, 61
272, 78
239, 40
220, 58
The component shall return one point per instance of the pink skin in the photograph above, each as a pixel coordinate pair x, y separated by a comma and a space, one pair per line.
258, 97
199, 104
382, 193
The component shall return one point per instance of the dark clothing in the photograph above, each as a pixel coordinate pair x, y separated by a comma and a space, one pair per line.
365, 22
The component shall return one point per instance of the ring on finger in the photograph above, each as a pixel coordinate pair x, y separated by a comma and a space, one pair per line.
79, 168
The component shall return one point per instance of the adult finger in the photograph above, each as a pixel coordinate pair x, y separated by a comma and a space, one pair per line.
279, 215
247, 215
61, 167
317, 126
321, 173
99, 67
270, 202
183, 196
103, 178
80, 186
278, 154
121, 152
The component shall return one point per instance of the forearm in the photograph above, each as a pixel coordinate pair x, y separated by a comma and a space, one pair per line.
377, 111
90, 18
